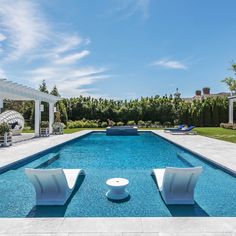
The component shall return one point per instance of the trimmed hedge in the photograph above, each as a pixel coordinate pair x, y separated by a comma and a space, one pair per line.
228, 126
98, 124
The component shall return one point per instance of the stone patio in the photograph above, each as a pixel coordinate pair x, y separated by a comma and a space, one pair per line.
22, 138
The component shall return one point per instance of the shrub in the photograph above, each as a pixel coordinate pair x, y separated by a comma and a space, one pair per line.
228, 125
141, 123
120, 123
57, 125
104, 124
157, 124
83, 124
176, 122
111, 122
148, 124
4, 128
167, 124
131, 122
44, 124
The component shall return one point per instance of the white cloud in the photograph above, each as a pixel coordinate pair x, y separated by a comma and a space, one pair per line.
2, 37
130, 8
72, 58
63, 44
169, 64
24, 26
70, 81
46, 53
2, 73
141, 6
68, 43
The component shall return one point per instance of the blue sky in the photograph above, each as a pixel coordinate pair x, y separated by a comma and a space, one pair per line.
118, 48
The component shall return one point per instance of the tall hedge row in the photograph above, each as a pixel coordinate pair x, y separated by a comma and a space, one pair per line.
206, 112
210, 111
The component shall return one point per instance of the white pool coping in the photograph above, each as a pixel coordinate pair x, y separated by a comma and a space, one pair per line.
223, 153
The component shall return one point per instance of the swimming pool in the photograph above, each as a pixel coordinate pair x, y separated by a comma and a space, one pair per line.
132, 157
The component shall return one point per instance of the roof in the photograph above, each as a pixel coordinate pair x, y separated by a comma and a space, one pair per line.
14, 91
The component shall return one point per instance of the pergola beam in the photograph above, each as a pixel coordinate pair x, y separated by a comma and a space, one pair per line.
11, 89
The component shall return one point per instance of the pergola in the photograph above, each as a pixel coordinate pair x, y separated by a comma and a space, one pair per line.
232, 99
18, 92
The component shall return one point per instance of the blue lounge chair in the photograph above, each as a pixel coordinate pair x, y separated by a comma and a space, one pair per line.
175, 129
188, 130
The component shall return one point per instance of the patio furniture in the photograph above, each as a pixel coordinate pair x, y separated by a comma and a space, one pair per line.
177, 184
117, 188
14, 119
188, 130
53, 186
174, 129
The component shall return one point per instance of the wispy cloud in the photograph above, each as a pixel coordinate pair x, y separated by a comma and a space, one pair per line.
141, 6
72, 58
22, 25
71, 42
170, 64
47, 53
128, 8
2, 73
70, 81
2, 37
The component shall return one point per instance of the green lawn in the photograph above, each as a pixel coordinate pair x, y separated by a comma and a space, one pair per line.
218, 133
213, 132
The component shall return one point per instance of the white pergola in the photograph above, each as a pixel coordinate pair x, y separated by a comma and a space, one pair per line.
232, 99
18, 92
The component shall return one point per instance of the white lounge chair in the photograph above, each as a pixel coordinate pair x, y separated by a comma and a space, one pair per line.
177, 184
53, 186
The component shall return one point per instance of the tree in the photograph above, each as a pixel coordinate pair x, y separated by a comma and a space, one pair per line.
43, 87
231, 82
55, 91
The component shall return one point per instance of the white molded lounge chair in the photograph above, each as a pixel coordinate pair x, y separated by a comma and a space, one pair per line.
177, 184
53, 186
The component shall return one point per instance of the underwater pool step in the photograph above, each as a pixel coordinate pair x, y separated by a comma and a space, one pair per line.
187, 159
54, 157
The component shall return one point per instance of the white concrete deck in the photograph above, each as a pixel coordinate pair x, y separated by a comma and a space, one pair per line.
180, 226
166, 226
220, 152
23, 137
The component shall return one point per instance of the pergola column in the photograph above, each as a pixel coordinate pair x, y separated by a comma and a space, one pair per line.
1, 104
37, 118
231, 110
51, 117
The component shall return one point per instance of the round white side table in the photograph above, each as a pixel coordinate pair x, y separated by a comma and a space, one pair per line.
117, 188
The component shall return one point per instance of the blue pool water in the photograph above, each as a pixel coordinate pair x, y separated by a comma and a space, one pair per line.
132, 157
